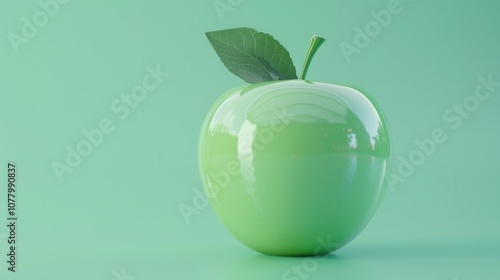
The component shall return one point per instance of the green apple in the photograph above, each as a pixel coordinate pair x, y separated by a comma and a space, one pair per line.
294, 167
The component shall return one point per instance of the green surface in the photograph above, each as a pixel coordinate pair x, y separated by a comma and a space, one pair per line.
119, 207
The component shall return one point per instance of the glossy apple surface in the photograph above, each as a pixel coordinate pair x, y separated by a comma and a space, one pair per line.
294, 167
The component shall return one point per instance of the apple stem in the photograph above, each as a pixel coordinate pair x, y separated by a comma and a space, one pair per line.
316, 42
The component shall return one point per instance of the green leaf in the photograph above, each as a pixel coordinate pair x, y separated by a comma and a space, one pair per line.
251, 55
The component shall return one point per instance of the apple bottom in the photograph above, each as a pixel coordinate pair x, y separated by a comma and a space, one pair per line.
299, 205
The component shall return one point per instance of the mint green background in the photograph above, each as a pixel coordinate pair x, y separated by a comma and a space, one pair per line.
119, 208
